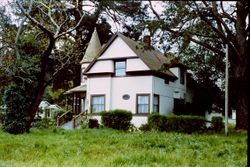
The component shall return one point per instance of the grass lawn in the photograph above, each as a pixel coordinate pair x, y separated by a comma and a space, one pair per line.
105, 147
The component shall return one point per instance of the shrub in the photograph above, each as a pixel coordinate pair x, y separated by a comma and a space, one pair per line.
44, 123
17, 106
93, 123
58, 112
116, 119
217, 124
181, 123
145, 127
2, 117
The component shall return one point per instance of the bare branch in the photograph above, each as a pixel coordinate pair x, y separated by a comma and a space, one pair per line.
225, 14
153, 10
216, 30
71, 29
51, 18
20, 29
33, 20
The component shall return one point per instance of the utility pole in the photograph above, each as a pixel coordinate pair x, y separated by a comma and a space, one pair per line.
226, 92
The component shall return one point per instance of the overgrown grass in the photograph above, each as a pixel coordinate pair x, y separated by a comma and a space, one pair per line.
110, 148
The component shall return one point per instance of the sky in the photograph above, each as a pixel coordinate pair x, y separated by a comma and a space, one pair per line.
3, 2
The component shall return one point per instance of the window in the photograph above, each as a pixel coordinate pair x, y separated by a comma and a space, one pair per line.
97, 103
143, 103
120, 68
156, 103
182, 76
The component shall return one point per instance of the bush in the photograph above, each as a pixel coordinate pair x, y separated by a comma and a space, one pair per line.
145, 127
181, 123
217, 124
116, 119
2, 117
58, 112
17, 109
44, 123
93, 123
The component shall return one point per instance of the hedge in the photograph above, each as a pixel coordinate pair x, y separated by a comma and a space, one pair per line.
180, 123
217, 124
116, 119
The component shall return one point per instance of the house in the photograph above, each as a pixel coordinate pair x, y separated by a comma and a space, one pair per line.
47, 110
130, 75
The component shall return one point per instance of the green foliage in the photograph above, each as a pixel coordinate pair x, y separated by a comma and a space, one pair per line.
116, 119
217, 124
181, 123
44, 123
2, 117
53, 95
17, 109
58, 112
145, 127
93, 123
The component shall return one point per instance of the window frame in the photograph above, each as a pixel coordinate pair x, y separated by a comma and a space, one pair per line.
156, 105
137, 105
115, 69
91, 102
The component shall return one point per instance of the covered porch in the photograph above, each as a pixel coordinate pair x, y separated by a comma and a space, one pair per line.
75, 99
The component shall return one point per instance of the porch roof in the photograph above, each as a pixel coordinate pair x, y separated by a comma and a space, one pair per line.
77, 89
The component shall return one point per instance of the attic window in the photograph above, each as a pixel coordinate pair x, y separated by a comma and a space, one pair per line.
120, 68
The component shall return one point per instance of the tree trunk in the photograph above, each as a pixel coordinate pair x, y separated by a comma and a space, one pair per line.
241, 106
41, 83
240, 91
240, 66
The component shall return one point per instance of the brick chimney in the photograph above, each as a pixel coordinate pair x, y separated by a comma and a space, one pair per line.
147, 40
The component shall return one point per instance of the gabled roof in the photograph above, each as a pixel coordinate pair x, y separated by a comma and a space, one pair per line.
154, 59
93, 48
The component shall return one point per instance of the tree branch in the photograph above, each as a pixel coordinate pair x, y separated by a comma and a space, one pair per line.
20, 29
71, 29
33, 20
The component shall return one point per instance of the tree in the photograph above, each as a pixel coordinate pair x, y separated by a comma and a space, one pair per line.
50, 31
50, 40
211, 25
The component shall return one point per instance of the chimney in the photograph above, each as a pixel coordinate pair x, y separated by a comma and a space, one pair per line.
147, 40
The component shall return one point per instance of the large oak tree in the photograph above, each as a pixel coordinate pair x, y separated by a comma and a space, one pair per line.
212, 25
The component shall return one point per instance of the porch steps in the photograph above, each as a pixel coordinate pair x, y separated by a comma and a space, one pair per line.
67, 125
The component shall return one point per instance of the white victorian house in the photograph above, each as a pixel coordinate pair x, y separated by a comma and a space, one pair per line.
130, 75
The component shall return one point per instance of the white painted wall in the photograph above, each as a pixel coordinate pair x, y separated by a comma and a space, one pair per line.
96, 86
137, 121
136, 65
118, 49
114, 88
130, 86
102, 66
179, 89
165, 91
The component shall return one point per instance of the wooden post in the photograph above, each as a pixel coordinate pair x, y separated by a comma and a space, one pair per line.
226, 93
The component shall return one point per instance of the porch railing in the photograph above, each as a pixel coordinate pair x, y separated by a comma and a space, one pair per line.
67, 116
79, 118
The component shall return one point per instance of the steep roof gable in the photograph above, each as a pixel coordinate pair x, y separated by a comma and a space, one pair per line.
154, 59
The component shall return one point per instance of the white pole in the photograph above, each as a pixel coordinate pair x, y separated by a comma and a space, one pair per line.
226, 93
